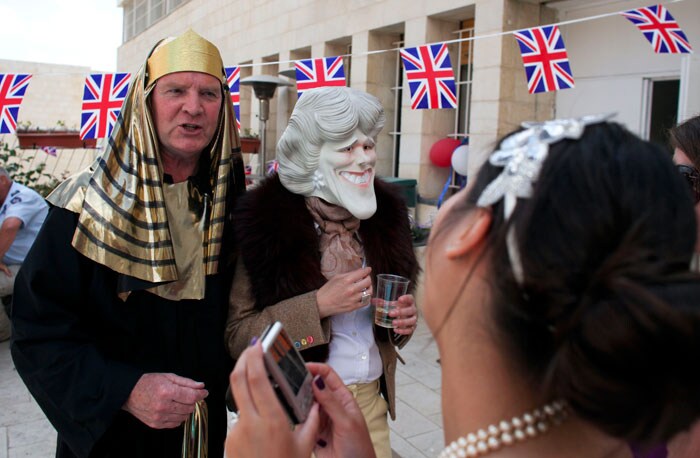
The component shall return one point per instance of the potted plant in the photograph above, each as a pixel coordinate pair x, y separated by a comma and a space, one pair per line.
250, 143
60, 136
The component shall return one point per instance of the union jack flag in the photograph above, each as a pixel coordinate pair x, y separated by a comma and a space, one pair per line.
430, 76
103, 96
546, 62
659, 27
12, 89
272, 166
313, 73
233, 79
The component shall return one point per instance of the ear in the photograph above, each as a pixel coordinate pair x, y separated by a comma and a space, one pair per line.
477, 226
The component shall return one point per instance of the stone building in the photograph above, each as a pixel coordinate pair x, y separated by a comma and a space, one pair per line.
614, 67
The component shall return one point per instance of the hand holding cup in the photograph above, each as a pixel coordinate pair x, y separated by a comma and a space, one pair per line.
405, 315
389, 289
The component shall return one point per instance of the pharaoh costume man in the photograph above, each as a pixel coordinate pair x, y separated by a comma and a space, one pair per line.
129, 276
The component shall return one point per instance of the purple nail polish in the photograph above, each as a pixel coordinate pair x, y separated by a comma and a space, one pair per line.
321, 443
320, 384
253, 341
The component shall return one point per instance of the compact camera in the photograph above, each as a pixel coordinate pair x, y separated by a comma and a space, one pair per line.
288, 374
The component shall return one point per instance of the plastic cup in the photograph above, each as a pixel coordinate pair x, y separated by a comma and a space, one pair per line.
389, 289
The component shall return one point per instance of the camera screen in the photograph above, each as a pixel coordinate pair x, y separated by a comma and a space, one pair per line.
286, 357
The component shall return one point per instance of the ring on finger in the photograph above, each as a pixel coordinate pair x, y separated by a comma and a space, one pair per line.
365, 297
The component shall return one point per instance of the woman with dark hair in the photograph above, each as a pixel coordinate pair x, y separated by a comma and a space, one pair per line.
558, 291
685, 141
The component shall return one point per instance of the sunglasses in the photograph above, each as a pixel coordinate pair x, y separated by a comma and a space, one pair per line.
692, 176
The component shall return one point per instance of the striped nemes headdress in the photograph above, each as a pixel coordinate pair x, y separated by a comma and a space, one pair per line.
123, 222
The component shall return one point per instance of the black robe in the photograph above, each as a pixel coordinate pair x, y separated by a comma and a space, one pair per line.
80, 349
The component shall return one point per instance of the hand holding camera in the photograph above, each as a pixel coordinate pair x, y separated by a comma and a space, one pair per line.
263, 426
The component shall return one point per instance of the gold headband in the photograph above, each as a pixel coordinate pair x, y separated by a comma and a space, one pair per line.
186, 53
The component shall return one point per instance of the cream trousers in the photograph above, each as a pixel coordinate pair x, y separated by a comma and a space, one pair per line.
374, 408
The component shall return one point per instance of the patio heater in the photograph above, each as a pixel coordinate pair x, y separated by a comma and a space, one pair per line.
264, 88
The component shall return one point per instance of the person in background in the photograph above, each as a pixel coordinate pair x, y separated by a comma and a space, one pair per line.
311, 239
121, 304
685, 141
22, 212
558, 291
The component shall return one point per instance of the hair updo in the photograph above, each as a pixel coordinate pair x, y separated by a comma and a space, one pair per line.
607, 316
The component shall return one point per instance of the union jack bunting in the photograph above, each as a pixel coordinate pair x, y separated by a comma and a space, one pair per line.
546, 62
659, 27
233, 79
272, 166
430, 76
103, 96
12, 89
313, 73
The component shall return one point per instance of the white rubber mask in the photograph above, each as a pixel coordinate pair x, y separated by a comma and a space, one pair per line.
345, 175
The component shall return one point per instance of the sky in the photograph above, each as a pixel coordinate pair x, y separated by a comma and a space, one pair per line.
71, 32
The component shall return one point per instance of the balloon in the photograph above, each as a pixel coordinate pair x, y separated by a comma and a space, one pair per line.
441, 151
460, 157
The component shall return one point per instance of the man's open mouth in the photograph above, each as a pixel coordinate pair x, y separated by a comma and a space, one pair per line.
190, 127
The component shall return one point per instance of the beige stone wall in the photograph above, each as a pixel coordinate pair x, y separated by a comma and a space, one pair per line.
258, 31
500, 101
53, 98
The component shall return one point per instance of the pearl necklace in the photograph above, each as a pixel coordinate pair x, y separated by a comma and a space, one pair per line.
527, 426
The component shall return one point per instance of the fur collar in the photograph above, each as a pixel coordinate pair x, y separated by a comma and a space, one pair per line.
279, 243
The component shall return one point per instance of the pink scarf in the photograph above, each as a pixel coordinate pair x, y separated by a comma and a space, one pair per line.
340, 250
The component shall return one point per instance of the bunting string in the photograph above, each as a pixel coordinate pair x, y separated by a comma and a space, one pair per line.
464, 39
429, 73
456, 40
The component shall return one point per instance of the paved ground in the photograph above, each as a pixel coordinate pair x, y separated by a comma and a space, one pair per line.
417, 433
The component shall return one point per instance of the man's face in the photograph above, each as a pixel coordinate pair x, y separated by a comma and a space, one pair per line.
347, 171
185, 107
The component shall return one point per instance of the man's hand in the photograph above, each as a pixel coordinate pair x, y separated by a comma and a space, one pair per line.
8, 232
164, 400
5, 269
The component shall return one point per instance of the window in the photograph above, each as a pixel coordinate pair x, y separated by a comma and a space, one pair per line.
141, 14
128, 23
157, 10
398, 94
463, 82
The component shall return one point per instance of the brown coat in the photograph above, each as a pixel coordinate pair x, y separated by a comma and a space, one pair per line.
278, 272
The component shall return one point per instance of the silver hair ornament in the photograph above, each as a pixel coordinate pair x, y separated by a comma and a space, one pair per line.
521, 155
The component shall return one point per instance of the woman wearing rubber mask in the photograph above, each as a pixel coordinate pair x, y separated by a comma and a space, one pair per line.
558, 291
312, 239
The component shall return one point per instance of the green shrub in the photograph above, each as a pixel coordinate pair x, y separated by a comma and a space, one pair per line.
20, 170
